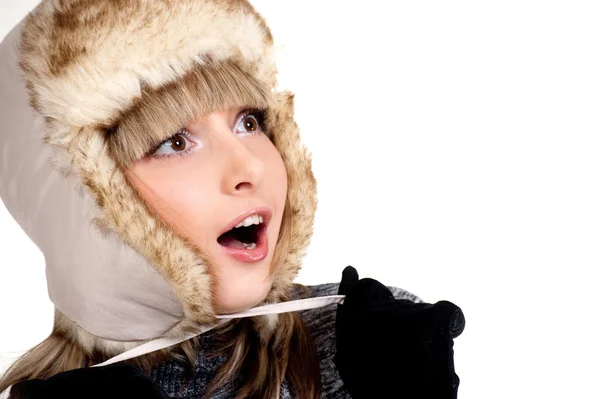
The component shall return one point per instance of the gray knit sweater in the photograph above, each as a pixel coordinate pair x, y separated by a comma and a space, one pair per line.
321, 321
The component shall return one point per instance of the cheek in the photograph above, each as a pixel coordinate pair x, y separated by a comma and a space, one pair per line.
278, 175
174, 198
276, 187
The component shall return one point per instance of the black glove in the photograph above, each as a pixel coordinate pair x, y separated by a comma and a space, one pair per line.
116, 381
394, 348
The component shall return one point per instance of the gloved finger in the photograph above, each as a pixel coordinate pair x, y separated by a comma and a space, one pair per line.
349, 280
368, 292
454, 315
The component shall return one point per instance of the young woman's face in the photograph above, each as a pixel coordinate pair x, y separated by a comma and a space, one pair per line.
221, 171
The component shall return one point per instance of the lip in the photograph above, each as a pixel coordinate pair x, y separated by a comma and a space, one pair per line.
262, 245
263, 211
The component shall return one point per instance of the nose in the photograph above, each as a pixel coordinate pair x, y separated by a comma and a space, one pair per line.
243, 171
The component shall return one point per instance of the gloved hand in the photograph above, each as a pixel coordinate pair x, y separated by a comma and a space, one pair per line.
116, 381
394, 348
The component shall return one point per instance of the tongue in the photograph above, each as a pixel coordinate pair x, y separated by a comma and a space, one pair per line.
230, 242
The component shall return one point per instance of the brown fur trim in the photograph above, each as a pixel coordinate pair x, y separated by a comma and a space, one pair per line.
125, 213
86, 60
301, 198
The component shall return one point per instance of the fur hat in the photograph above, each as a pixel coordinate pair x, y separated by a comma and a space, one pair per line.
92, 68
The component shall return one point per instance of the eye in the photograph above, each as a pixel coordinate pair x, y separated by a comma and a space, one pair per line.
178, 144
251, 122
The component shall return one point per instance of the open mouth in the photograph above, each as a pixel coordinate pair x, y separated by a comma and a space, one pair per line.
244, 235
246, 239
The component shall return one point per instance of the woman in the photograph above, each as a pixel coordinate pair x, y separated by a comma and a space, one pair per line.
179, 190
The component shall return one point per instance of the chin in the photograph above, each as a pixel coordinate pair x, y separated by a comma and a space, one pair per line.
234, 299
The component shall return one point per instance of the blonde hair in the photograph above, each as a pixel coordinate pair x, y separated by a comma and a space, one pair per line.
259, 357
261, 362
158, 114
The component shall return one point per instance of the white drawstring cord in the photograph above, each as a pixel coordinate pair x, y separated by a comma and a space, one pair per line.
283, 307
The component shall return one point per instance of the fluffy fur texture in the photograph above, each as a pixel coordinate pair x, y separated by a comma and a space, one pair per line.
90, 65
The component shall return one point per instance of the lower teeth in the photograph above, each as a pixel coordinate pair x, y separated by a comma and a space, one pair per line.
249, 245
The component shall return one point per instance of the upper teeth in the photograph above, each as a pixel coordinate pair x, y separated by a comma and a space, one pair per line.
254, 219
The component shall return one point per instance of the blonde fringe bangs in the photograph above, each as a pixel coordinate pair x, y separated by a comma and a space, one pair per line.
159, 114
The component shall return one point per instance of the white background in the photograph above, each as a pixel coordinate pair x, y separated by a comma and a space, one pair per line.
457, 150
